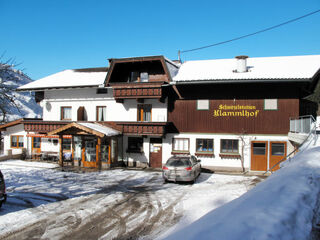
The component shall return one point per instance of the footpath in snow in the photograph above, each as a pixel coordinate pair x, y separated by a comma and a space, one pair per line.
284, 206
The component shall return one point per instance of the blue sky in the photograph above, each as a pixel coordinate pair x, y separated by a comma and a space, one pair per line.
50, 36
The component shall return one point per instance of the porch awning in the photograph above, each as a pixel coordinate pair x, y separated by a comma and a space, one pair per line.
85, 128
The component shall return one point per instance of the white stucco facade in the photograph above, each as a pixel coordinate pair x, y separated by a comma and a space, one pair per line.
90, 100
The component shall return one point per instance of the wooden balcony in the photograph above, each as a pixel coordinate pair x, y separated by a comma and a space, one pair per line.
143, 128
137, 91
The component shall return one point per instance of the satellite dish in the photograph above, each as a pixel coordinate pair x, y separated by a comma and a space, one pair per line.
48, 106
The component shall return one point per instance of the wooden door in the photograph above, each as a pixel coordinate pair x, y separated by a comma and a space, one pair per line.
89, 153
155, 153
278, 150
36, 147
259, 156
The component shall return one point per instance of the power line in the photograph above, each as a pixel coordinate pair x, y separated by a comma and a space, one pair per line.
251, 34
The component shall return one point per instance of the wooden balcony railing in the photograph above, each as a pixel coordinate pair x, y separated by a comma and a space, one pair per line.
143, 128
137, 90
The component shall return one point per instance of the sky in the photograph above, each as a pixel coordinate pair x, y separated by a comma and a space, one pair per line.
45, 37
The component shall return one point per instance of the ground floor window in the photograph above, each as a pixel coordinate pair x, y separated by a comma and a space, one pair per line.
66, 144
180, 145
204, 145
229, 146
17, 141
135, 144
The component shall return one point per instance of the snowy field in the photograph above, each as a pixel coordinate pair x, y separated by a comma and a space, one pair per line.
45, 202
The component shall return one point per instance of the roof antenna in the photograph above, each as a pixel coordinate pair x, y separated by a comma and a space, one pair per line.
179, 58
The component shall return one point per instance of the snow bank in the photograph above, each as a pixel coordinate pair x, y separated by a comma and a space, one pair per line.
281, 207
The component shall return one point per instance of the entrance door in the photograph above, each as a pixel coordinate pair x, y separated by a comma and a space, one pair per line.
155, 152
259, 156
36, 147
278, 150
89, 156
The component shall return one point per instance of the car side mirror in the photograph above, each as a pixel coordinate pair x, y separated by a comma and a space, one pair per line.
199, 160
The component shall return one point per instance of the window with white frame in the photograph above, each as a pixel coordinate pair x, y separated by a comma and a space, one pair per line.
180, 145
203, 105
271, 104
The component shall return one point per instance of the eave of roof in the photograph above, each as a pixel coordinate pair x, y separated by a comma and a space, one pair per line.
262, 80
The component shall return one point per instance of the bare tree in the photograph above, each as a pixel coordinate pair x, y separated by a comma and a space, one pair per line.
8, 77
244, 144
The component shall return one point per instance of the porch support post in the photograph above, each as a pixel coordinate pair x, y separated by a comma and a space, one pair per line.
61, 151
72, 150
98, 153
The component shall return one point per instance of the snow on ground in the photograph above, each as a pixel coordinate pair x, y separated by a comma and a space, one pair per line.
281, 207
37, 190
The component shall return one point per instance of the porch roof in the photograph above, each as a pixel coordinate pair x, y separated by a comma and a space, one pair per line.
85, 128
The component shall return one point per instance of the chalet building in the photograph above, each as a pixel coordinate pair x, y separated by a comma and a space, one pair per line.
233, 114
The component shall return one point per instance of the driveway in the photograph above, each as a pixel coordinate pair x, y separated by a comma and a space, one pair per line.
117, 204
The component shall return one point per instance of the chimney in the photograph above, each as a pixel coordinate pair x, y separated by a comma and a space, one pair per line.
241, 64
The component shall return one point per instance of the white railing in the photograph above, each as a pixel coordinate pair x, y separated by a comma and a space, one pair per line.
301, 124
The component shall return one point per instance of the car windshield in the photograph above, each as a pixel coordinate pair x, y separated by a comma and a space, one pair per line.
178, 162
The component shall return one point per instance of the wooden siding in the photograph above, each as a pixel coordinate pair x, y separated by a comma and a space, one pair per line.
186, 118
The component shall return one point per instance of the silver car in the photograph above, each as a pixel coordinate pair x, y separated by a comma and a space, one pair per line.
3, 195
181, 168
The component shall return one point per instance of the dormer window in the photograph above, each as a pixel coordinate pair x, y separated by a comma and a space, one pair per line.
138, 77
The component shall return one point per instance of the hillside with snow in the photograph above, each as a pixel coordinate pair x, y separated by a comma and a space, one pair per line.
14, 105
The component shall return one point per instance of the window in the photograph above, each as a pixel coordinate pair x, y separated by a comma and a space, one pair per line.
135, 144
144, 77
66, 113
134, 77
101, 113
181, 144
202, 104
277, 149
66, 145
138, 77
271, 104
229, 146
17, 141
204, 145
55, 142
259, 148
144, 112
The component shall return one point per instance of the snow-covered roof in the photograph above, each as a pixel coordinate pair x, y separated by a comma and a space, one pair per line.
292, 67
69, 78
100, 128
